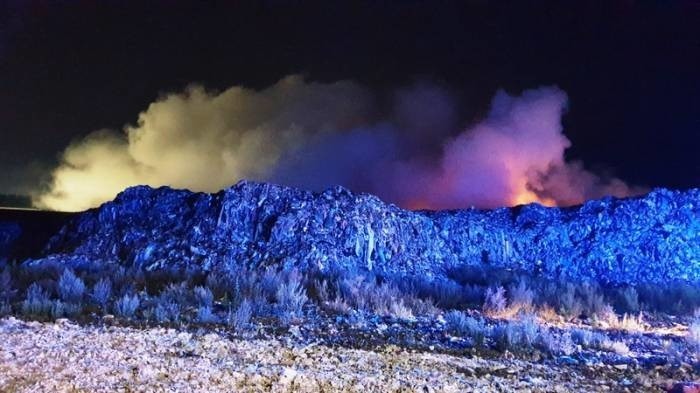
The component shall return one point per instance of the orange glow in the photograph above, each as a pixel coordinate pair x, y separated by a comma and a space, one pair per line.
522, 195
525, 196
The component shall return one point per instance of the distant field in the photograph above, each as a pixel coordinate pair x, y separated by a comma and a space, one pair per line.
37, 226
16, 201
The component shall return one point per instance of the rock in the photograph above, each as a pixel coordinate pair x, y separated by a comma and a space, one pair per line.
288, 375
684, 387
468, 371
567, 360
108, 319
653, 238
653, 361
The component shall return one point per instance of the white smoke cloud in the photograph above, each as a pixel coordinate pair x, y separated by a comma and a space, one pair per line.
203, 140
315, 135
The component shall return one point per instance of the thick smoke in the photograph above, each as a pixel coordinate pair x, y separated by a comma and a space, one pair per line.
514, 156
316, 135
203, 140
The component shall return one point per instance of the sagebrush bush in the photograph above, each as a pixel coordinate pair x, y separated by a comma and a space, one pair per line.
217, 284
499, 337
513, 336
495, 300
632, 323
177, 293
693, 335
521, 297
271, 282
529, 330
473, 295
5, 308
7, 291
680, 298
137, 278
629, 299
400, 310
462, 324
203, 296
240, 317
37, 302
627, 322
568, 303
548, 313
206, 315
618, 347
526, 334
338, 305
166, 310
446, 293
593, 299
101, 292
385, 296
382, 297
589, 339
120, 280
291, 298
61, 309
127, 305
70, 287
556, 344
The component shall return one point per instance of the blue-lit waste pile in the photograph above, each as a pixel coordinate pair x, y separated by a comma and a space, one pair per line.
653, 238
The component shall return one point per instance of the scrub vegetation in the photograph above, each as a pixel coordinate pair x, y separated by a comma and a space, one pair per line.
489, 309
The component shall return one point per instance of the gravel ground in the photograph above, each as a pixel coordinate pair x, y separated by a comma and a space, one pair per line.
65, 357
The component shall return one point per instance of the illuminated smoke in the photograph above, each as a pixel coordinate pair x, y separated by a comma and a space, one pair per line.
202, 140
315, 135
514, 156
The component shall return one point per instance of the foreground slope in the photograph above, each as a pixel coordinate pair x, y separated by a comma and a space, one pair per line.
61, 356
650, 239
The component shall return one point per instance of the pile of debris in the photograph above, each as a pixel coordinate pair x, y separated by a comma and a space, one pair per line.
654, 238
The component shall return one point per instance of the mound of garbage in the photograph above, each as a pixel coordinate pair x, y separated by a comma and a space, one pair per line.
653, 238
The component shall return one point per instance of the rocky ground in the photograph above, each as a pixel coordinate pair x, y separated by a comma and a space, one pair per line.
65, 357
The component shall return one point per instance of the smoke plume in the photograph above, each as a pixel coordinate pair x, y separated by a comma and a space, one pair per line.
316, 135
514, 156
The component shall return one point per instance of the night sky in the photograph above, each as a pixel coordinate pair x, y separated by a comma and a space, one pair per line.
630, 71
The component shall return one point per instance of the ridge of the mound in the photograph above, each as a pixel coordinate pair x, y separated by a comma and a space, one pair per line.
650, 238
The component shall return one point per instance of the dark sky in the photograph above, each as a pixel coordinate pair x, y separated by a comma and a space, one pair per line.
630, 69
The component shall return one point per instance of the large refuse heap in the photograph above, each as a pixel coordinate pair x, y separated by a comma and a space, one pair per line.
653, 238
